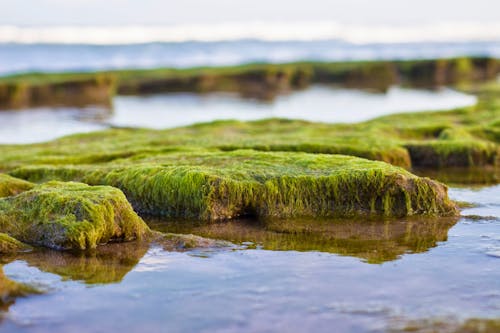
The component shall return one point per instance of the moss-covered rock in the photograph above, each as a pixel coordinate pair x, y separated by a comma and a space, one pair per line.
70, 215
72, 90
456, 153
12, 186
213, 185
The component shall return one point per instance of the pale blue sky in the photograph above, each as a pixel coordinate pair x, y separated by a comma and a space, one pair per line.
158, 12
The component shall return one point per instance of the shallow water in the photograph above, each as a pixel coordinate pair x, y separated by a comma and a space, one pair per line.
319, 103
356, 276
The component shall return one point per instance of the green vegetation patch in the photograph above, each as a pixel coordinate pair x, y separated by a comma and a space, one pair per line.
11, 245
70, 216
215, 185
10, 186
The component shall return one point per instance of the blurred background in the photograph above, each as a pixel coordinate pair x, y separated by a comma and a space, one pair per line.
88, 35
57, 35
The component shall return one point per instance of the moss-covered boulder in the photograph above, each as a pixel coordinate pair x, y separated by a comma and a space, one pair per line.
11, 245
12, 186
70, 216
212, 185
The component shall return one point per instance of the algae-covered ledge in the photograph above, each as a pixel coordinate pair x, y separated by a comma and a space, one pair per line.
214, 185
262, 81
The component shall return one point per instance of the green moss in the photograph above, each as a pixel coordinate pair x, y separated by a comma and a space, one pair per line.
456, 153
11, 245
70, 215
10, 186
216, 185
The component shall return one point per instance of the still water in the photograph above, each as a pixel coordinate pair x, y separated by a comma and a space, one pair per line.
293, 276
319, 103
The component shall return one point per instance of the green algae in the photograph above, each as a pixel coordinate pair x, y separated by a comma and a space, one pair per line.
373, 241
10, 186
214, 185
70, 216
11, 245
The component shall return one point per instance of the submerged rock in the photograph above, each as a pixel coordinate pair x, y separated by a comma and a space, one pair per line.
70, 216
180, 242
212, 185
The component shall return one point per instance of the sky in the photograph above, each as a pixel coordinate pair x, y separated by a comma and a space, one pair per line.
170, 12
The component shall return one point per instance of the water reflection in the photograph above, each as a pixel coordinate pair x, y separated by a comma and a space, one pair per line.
320, 103
107, 264
10, 290
44, 124
459, 177
372, 241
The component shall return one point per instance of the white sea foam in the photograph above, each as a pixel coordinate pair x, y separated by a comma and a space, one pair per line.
298, 31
